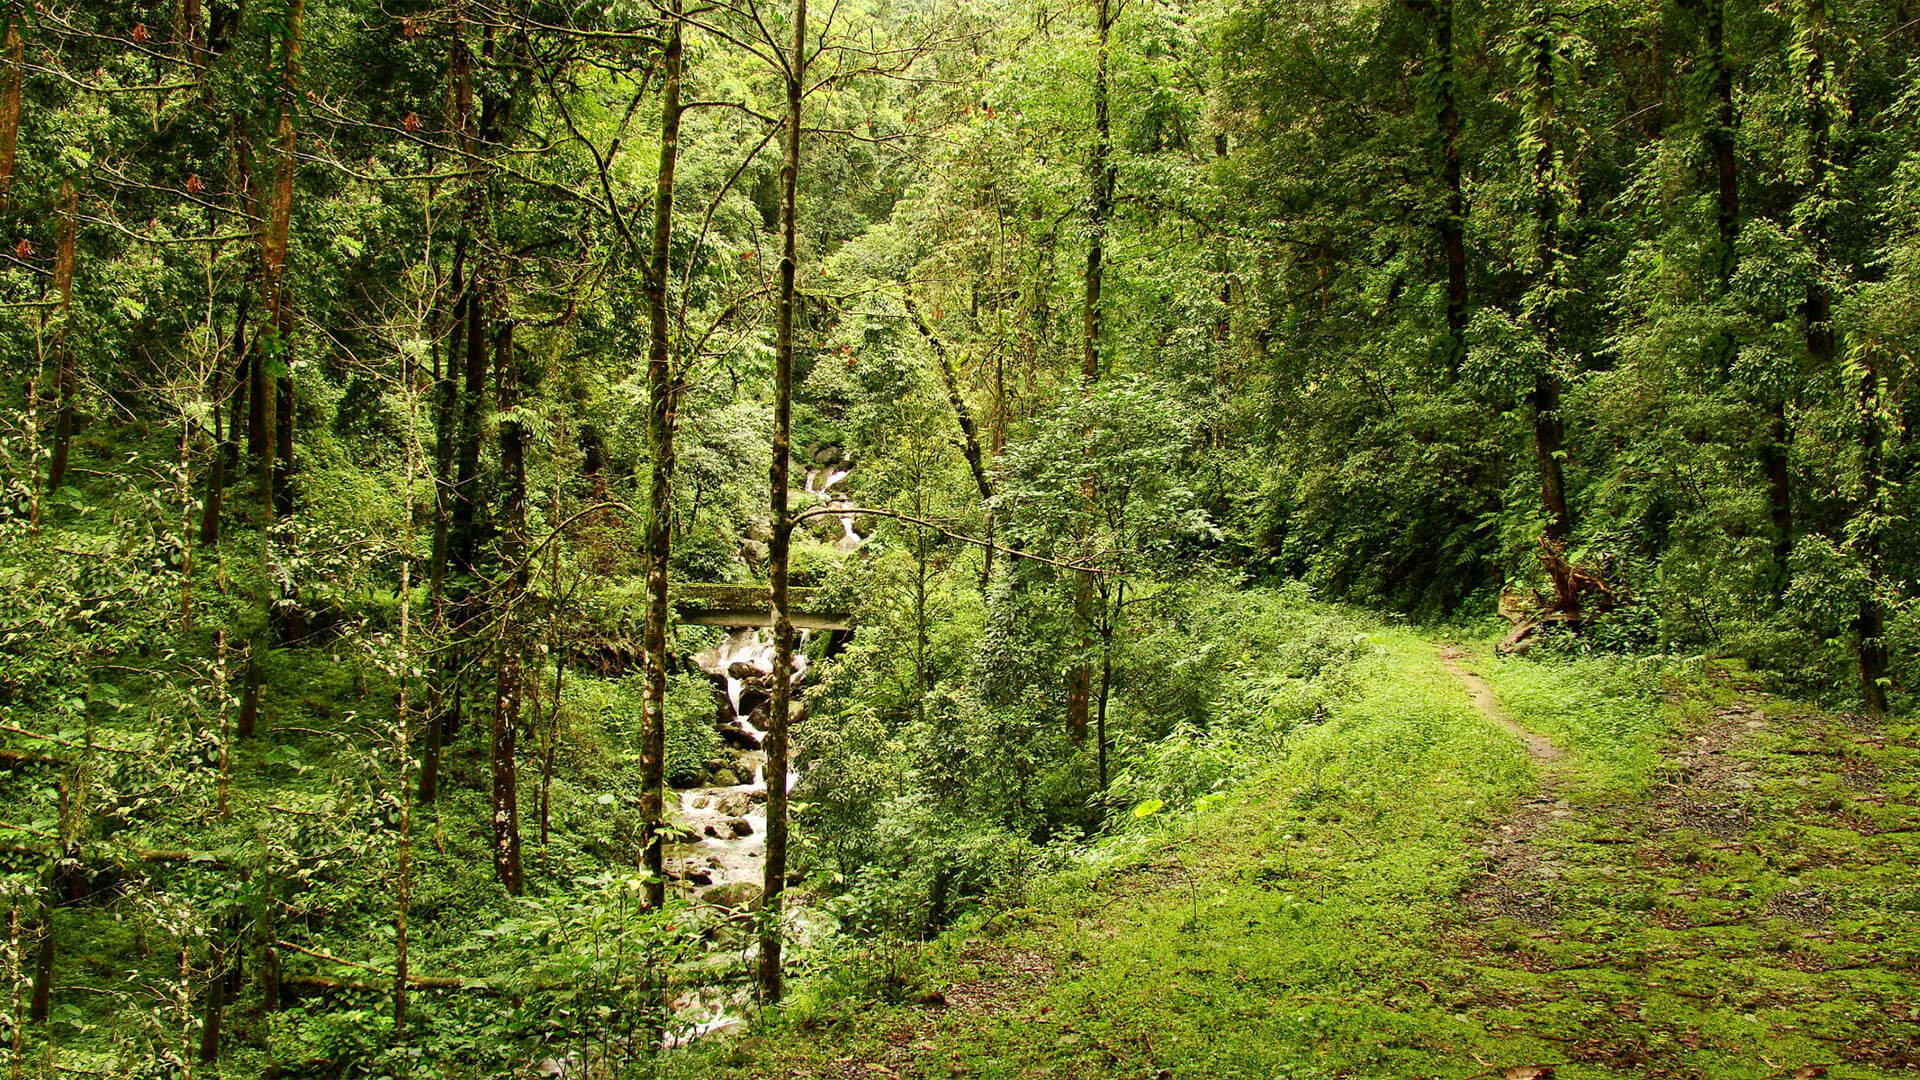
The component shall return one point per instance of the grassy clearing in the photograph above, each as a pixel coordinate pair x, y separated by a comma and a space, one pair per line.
1708, 885
1607, 713
1285, 932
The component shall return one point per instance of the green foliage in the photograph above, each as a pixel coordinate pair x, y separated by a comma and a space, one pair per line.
1290, 408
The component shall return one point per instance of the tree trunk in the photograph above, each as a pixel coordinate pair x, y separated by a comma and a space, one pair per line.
1720, 137
510, 676
275, 437
662, 395
1099, 213
264, 394
260, 403
224, 451
41, 1001
192, 29
13, 46
1549, 431
1100, 711
466, 482
1817, 311
16, 952
1722, 128
1870, 627
1774, 461
183, 491
402, 721
969, 430
1819, 190
64, 377
487, 304
446, 667
1549, 441
216, 1001
775, 882
1453, 223
451, 425
250, 691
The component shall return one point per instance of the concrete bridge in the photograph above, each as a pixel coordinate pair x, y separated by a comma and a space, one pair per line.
751, 605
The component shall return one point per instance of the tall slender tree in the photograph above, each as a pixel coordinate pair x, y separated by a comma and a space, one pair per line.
12, 79
1453, 218
509, 374
462, 378
1542, 36
1102, 179
1872, 517
793, 62
268, 368
277, 377
65, 378
663, 391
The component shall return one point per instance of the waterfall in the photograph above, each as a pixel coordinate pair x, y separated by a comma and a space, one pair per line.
719, 856
725, 824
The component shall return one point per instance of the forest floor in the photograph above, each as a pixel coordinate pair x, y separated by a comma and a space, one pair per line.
1477, 867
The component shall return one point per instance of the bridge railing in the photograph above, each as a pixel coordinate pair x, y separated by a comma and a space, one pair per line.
752, 605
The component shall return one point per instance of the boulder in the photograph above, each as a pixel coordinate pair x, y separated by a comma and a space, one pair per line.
754, 554
753, 700
740, 827
689, 873
739, 738
734, 896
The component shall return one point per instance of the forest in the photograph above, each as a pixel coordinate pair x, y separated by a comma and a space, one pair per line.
1307, 539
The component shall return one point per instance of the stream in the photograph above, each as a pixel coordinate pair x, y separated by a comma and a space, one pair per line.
719, 861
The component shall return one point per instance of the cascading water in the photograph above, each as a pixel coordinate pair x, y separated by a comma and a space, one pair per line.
721, 856
727, 823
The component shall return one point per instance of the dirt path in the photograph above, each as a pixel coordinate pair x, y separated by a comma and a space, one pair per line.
1539, 747
1517, 881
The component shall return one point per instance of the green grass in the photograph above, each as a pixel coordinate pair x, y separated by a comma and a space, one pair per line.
1277, 934
1312, 925
1605, 711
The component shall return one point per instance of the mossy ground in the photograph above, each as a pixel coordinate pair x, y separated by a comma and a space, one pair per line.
1709, 883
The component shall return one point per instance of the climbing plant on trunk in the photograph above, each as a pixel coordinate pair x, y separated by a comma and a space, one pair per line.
793, 63
663, 391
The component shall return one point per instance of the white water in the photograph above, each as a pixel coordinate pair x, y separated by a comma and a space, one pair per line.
730, 821
721, 862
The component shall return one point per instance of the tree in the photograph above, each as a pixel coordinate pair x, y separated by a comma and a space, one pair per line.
1143, 515
1543, 47
792, 59
1100, 170
663, 390
1453, 218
